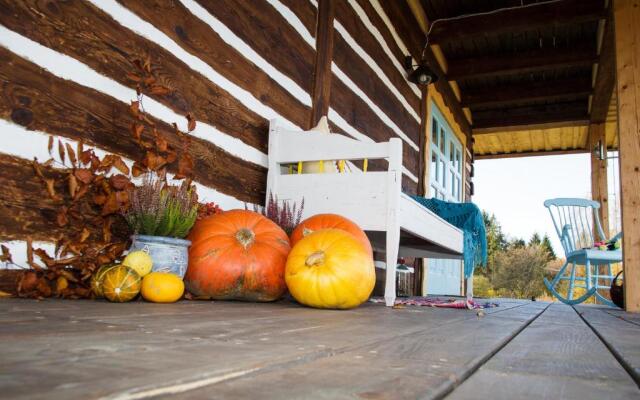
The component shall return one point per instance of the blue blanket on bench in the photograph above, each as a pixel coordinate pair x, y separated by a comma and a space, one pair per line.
468, 218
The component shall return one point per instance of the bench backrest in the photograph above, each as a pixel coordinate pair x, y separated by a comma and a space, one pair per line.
364, 197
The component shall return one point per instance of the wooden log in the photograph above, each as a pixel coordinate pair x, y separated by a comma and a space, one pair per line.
263, 28
532, 91
530, 17
305, 11
358, 114
423, 165
87, 34
9, 280
361, 74
627, 34
599, 186
321, 94
389, 39
361, 34
27, 210
38, 100
521, 62
606, 75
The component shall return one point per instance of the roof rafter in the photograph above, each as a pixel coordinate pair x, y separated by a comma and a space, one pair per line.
532, 91
529, 115
523, 62
517, 19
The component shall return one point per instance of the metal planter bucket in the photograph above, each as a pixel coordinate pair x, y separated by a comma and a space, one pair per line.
168, 254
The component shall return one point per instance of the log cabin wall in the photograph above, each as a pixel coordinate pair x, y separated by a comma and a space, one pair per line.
63, 69
233, 64
370, 96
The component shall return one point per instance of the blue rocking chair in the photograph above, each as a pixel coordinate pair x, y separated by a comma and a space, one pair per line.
574, 221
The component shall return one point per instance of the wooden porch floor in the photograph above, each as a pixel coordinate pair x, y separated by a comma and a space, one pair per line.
198, 350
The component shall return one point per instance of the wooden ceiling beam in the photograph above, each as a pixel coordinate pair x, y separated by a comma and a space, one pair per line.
519, 19
606, 75
523, 62
530, 91
529, 115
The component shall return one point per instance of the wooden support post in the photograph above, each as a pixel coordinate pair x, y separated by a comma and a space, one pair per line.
599, 186
423, 139
420, 264
627, 34
324, 55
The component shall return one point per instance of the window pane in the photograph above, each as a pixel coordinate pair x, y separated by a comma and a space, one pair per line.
434, 131
451, 150
442, 141
434, 167
458, 161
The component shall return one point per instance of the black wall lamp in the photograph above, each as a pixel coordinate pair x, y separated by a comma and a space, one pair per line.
419, 74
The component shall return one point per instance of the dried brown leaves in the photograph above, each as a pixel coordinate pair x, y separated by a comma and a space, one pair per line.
92, 194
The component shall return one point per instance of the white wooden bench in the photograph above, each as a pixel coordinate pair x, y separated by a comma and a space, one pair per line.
395, 223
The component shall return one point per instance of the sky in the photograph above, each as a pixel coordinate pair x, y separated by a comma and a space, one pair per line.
514, 189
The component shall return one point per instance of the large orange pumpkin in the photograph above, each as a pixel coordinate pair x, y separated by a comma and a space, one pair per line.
330, 221
239, 255
330, 269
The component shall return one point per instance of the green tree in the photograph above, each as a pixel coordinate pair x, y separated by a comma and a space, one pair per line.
546, 245
496, 240
519, 270
517, 244
535, 239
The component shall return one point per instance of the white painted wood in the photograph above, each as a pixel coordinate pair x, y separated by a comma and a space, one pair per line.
309, 145
413, 219
360, 195
373, 200
394, 190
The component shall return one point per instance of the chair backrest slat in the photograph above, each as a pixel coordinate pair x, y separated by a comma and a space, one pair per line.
575, 221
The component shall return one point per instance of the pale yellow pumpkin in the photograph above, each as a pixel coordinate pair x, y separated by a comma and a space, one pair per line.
330, 269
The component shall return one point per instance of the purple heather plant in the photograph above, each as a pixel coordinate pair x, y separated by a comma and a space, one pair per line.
283, 213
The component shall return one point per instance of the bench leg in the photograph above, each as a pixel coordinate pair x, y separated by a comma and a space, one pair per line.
393, 245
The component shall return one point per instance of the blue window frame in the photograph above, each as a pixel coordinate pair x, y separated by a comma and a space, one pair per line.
445, 151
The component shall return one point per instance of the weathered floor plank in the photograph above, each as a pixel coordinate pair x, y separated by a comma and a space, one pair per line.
620, 331
93, 349
556, 357
419, 364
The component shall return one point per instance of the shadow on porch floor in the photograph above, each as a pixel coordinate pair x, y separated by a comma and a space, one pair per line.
521, 349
